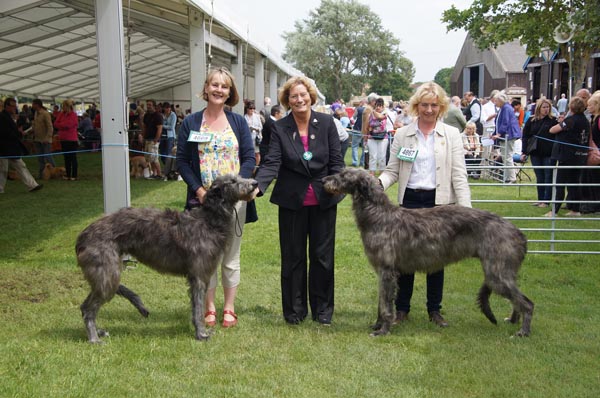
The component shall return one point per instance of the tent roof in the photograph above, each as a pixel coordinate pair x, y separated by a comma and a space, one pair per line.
48, 48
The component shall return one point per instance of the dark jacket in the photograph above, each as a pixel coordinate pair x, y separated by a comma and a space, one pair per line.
286, 163
188, 160
10, 137
572, 142
539, 128
266, 135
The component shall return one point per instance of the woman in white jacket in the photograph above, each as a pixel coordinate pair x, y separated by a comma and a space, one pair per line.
427, 161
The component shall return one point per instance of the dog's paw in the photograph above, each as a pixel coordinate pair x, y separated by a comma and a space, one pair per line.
376, 326
379, 332
103, 333
203, 336
522, 333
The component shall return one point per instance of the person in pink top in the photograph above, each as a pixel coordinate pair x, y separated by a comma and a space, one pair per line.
66, 123
304, 148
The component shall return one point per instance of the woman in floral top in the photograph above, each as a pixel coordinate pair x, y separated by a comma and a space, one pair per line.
211, 143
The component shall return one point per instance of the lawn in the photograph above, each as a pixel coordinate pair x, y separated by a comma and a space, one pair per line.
44, 352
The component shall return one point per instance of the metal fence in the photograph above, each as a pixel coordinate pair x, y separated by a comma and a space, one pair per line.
557, 234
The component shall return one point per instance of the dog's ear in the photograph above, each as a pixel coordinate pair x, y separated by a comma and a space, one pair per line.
364, 187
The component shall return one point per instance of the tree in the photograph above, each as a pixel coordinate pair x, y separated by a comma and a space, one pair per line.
344, 48
443, 78
533, 22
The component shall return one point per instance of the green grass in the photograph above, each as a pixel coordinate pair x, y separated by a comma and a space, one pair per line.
44, 353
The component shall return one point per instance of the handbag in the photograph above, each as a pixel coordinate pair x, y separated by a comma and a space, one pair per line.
376, 127
531, 144
593, 156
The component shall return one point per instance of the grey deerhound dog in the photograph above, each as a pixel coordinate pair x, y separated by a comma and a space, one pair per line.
191, 244
398, 240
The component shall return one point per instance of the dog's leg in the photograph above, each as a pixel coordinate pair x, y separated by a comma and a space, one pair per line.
507, 288
197, 293
387, 291
525, 306
133, 299
89, 311
483, 299
515, 316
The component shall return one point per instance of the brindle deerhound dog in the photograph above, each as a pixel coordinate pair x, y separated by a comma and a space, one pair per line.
398, 240
191, 243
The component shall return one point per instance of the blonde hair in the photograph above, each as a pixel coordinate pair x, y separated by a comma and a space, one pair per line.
595, 102
234, 97
284, 91
470, 125
537, 115
429, 90
68, 106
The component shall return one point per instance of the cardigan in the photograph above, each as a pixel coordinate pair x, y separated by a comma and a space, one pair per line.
188, 160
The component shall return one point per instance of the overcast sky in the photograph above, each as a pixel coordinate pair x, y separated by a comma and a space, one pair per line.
416, 24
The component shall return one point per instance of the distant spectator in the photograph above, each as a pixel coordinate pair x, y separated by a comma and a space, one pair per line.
342, 132
473, 111
255, 125
276, 114
571, 132
153, 125
11, 145
455, 117
42, 135
537, 144
66, 123
591, 193
356, 135
167, 139
507, 128
562, 104
518, 109
473, 149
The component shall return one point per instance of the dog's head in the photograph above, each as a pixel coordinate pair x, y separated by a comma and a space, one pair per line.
59, 172
352, 181
230, 189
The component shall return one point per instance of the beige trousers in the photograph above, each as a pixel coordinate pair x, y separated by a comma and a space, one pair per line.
230, 265
21, 169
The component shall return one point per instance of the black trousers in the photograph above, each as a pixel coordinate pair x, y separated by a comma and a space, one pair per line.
312, 228
435, 281
71, 157
567, 176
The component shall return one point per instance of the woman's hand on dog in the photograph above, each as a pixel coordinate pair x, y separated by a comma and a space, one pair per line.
200, 194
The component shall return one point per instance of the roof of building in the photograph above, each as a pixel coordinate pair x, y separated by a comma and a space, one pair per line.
506, 58
48, 48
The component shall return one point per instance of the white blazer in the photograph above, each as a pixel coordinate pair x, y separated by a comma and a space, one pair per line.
451, 182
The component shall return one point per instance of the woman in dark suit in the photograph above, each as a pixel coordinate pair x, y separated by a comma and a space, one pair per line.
304, 148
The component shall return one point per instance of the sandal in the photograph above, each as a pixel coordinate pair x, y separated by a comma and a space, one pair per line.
213, 322
229, 324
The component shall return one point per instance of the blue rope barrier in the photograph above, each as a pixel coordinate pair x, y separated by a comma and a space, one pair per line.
350, 132
85, 151
564, 143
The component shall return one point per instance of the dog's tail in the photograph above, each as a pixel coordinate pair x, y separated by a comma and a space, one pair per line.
483, 299
133, 299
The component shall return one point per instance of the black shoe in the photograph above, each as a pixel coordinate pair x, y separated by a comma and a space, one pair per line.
292, 320
401, 316
438, 319
36, 188
324, 321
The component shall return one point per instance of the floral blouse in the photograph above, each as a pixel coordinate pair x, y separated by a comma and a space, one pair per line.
219, 156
